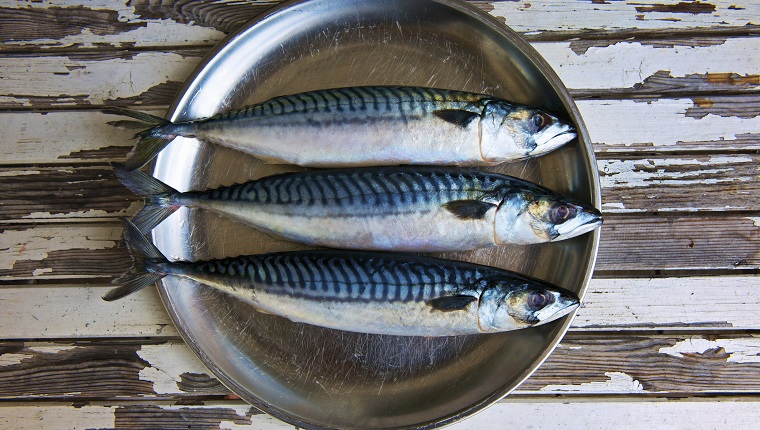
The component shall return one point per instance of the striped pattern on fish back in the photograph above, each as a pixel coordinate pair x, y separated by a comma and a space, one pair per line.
370, 187
359, 277
360, 100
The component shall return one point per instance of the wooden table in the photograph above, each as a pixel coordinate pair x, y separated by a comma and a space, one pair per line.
666, 338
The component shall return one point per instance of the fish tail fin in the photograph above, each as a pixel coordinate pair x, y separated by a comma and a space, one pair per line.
154, 137
158, 202
138, 276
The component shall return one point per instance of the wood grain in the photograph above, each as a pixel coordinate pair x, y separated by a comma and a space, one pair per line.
581, 365
680, 304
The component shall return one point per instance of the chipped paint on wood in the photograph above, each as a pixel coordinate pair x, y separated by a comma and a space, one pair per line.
55, 417
90, 80
714, 183
163, 371
583, 364
742, 350
37, 243
77, 311
63, 137
579, 414
617, 383
663, 125
50, 348
614, 414
627, 64
692, 303
12, 359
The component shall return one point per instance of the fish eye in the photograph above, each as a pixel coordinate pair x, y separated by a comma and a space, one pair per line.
539, 299
560, 213
541, 120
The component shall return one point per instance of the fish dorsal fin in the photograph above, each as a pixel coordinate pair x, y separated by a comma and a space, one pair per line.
469, 209
452, 303
458, 117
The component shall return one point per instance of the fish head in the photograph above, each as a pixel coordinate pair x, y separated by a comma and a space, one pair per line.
505, 305
537, 216
512, 132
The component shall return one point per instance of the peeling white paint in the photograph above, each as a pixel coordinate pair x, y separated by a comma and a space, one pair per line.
12, 173
538, 16
661, 123
89, 81
167, 363
618, 382
51, 348
259, 422
715, 301
155, 32
663, 171
626, 64
35, 243
755, 220
91, 213
742, 350
42, 271
613, 205
77, 311
10, 359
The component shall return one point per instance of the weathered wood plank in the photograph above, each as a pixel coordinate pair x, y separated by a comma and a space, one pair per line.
58, 251
715, 123
94, 79
60, 193
709, 123
699, 242
105, 23
581, 414
630, 184
680, 183
693, 304
152, 78
581, 365
76, 310
513, 412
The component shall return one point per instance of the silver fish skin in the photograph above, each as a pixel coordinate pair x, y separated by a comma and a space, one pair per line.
368, 126
416, 209
380, 293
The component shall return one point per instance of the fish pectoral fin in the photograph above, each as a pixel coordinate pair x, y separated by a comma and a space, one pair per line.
458, 117
452, 303
468, 209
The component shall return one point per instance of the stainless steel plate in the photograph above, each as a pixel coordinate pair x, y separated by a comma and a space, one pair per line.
317, 377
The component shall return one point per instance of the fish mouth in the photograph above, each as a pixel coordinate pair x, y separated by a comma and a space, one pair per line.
563, 306
588, 220
560, 135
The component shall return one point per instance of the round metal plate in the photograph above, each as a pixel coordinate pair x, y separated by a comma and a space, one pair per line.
316, 377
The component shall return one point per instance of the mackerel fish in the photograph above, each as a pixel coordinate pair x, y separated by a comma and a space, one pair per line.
381, 293
366, 126
423, 209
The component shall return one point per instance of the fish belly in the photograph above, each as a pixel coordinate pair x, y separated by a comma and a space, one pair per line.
424, 230
377, 317
334, 141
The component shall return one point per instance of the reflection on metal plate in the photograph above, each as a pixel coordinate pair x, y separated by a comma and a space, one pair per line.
317, 377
